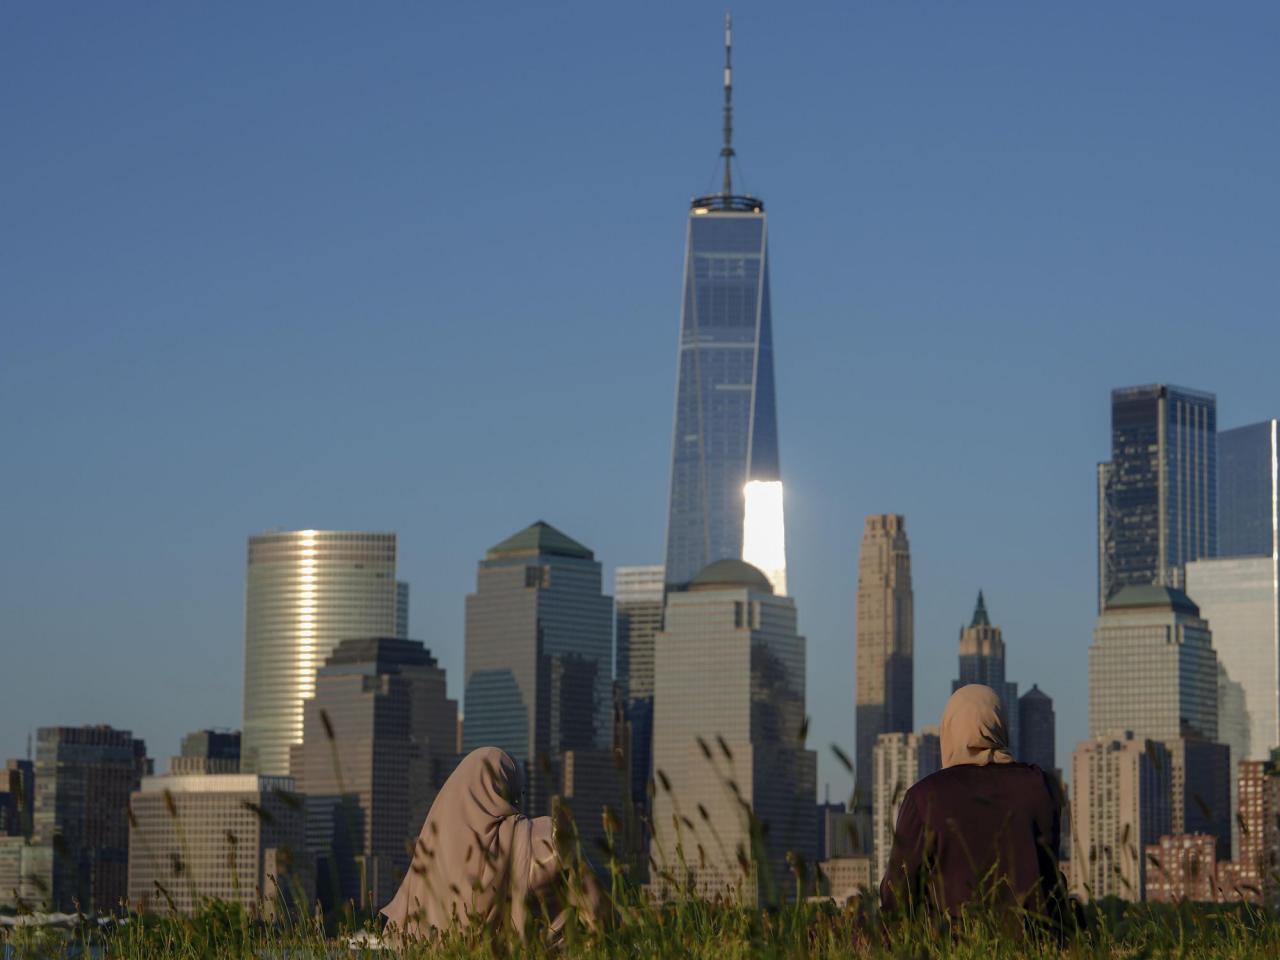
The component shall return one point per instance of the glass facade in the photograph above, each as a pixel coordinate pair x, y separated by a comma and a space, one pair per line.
1247, 491
730, 671
639, 597
539, 653
726, 430
306, 591
1158, 506
1238, 597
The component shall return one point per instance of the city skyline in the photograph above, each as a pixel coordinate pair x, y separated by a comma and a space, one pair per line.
248, 342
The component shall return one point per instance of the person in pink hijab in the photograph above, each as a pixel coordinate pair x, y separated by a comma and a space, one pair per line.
983, 829
478, 859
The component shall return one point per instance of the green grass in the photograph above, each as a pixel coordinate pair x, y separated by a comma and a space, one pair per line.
690, 928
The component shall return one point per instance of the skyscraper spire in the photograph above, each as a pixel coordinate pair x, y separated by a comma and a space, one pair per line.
727, 150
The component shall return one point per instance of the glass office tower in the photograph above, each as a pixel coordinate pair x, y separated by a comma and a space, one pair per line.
1158, 497
306, 591
1247, 491
726, 430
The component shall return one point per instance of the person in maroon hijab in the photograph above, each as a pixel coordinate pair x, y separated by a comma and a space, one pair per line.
983, 830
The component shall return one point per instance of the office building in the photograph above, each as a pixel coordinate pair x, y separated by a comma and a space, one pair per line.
848, 877
402, 610
883, 643
639, 597
539, 653
1157, 496
1121, 803
726, 430
900, 759
1240, 599
208, 751
17, 800
1200, 790
378, 743
83, 778
1249, 491
25, 869
729, 688
1152, 668
306, 590
231, 837
591, 782
982, 661
1037, 730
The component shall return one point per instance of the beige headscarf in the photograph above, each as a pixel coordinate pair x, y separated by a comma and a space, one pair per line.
476, 853
973, 729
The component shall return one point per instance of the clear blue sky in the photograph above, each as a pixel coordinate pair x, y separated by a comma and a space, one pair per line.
416, 267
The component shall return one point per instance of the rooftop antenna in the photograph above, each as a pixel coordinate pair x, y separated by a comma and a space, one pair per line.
727, 150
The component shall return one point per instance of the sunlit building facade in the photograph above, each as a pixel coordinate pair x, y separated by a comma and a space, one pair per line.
729, 729
726, 429
884, 640
1157, 496
306, 591
899, 760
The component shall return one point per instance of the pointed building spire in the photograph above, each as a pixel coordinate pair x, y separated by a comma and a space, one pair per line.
727, 150
980, 617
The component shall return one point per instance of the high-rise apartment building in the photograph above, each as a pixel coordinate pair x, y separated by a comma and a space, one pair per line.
639, 598
370, 773
306, 590
1183, 866
1120, 804
727, 731
900, 759
1152, 668
539, 653
231, 837
83, 778
1157, 496
1258, 853
982, 661
726, 429
1037, 729
885, 633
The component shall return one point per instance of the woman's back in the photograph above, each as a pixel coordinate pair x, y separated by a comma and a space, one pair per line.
969, 834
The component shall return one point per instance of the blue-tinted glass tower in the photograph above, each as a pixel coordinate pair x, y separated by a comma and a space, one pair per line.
726, 429
1158, 495
1249, 490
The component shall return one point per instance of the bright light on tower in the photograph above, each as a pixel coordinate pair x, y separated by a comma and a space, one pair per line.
764, 541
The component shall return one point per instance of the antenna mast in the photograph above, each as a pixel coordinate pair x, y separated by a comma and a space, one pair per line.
727, 150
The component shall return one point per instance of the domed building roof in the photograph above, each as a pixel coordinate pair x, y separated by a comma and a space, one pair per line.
724, 574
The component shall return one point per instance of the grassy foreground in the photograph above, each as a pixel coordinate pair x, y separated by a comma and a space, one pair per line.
695, 929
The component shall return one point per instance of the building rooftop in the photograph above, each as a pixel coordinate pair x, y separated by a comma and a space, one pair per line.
724, 574
539, 538
980, 618
1155, 597
385, 652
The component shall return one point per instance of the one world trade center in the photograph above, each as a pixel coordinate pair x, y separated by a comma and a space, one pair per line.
725, 475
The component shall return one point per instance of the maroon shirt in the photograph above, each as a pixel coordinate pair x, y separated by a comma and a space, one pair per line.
970, 833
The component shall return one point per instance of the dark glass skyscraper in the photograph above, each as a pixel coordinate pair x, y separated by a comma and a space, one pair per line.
1158, 495
726, 430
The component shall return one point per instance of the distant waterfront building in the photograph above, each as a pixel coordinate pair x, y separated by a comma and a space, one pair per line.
83, 778
1121, 793
885, 634
1183, 867
539, 653
639, 598
1152, 668
726, 427
368, 788
231, 837
1248, 494
17, 800
729, 701
306, 590
982, 661
1240, 599
1157, 496
900, 760
1037, 730
208, 751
